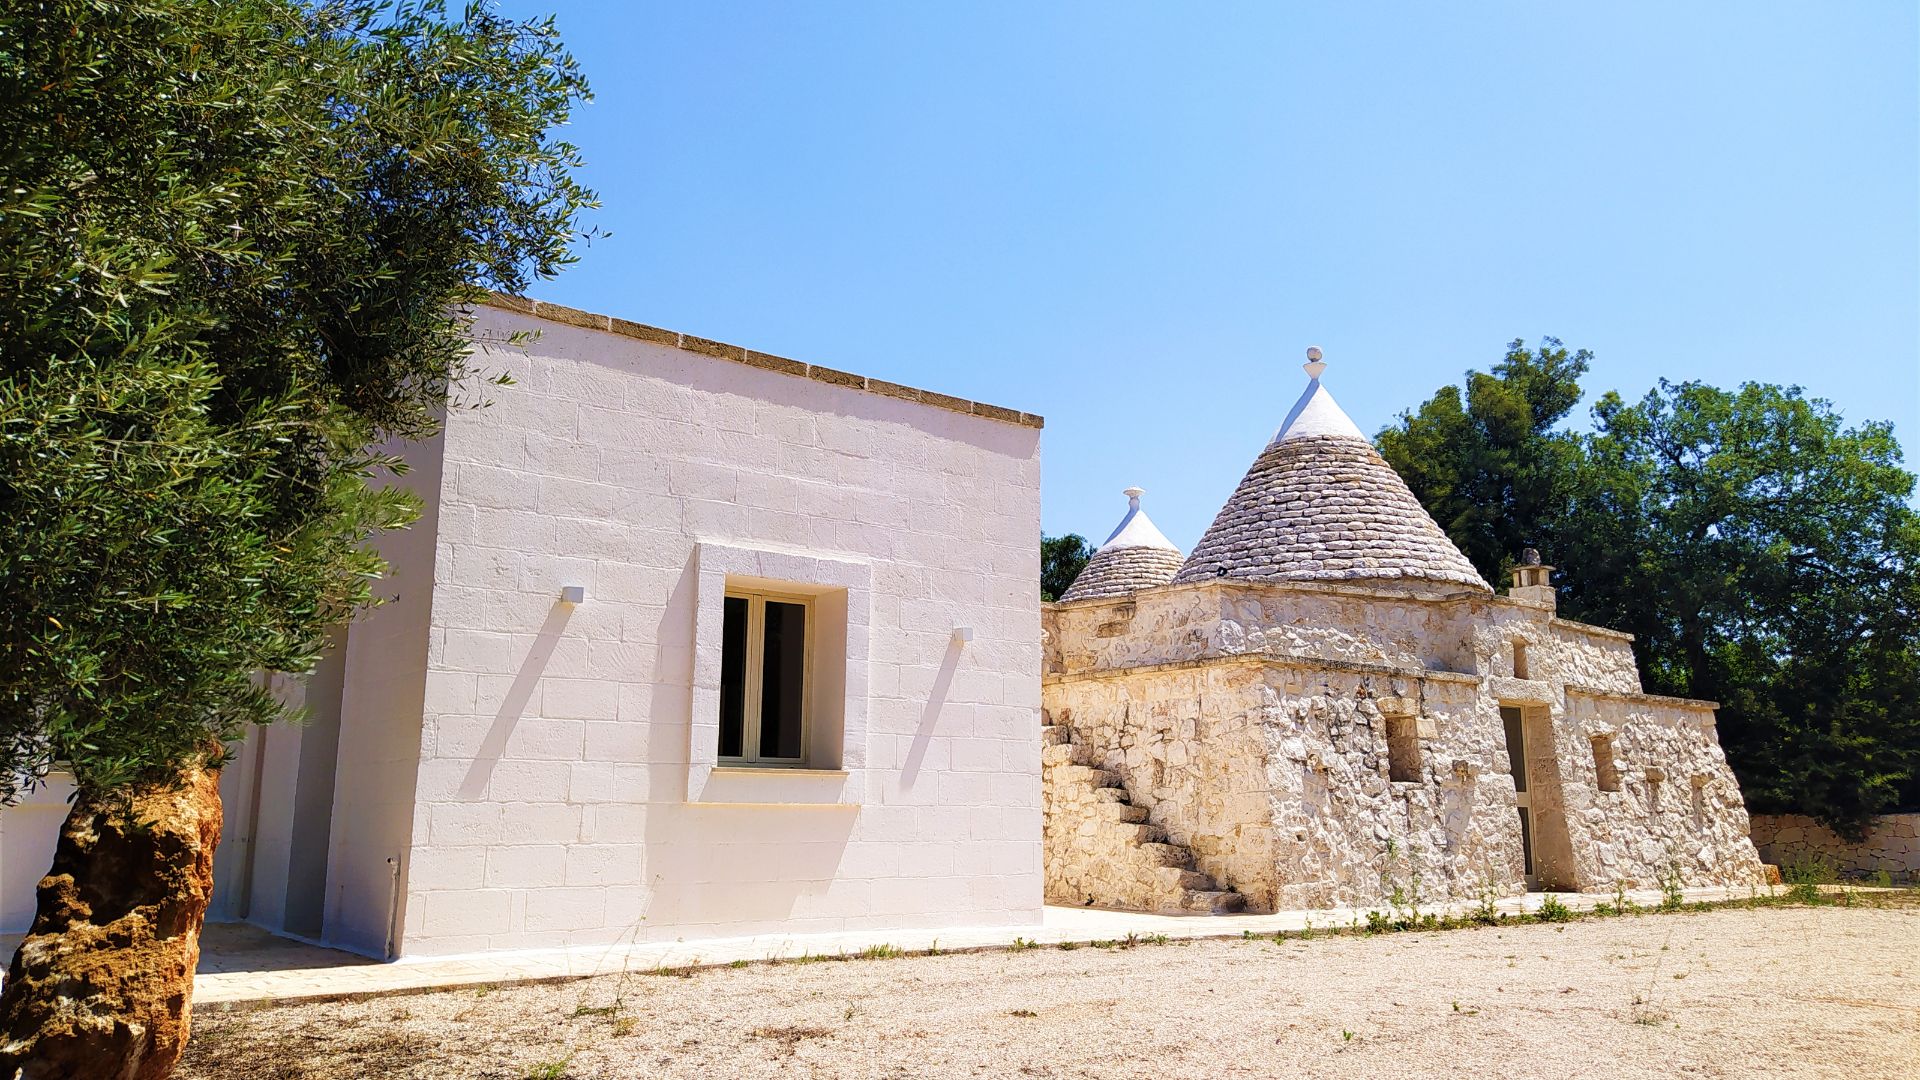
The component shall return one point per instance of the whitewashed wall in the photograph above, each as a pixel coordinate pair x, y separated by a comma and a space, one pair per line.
561, 797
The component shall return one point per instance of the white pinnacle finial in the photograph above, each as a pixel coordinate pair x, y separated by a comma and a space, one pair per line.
1133, 497
1314, 366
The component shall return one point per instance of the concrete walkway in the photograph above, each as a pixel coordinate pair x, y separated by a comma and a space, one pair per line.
242, 965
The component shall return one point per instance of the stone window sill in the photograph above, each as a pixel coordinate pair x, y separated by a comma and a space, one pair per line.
776, 786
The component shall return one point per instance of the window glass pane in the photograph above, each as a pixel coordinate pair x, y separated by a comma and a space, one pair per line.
733, 678
783, 680
1516, 746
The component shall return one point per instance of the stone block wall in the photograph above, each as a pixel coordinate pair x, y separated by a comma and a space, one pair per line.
1892, 844
566, 793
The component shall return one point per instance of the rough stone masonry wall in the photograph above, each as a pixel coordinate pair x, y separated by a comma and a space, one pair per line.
1187, 745
1277, 778
1678, 809
1086, 861
1892, 844
1211, 699
1404, 627
1345, 831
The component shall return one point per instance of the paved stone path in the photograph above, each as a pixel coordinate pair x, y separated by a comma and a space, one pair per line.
241, 964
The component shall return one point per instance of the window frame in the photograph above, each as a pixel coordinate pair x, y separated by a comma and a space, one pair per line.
754, 678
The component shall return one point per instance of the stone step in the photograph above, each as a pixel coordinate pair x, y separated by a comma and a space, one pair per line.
1110, 794
1063, 754
1120, 811
1216, 901
1179, 881
1174, 855
1055, 735
1140, 834
1081, 774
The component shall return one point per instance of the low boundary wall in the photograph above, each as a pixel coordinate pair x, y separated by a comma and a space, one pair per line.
1892, 844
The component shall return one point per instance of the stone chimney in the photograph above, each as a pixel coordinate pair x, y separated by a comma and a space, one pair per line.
1530, 580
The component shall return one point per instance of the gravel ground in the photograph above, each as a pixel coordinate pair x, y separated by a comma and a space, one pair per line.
1777, 992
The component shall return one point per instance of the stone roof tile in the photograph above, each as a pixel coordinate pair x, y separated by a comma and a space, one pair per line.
1320, 504
1137, 555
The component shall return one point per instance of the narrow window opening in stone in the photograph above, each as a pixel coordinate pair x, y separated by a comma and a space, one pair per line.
1699, 800
1605, 768
1655, 781
1403, 749
1520, 660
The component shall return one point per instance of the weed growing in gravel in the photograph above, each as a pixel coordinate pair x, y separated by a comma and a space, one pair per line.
583, 1010
1485, 911
935, 949
625, 1026
1021, 944
1024, 1014
1157, 939
789, 1036
549, 1070
1553, 910
881, 952
1804, 879
1069, 946
1671, 896
1644, 1013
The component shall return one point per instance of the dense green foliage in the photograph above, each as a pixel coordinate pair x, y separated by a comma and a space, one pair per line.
1763, 554
1061, 560
236, 241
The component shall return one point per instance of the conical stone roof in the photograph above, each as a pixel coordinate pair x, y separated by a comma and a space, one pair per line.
1320, 504
1136, 556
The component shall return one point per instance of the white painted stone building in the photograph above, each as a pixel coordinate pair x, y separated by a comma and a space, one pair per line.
797, 689
1325, 704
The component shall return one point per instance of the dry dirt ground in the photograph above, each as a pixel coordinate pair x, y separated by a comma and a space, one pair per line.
1778, 992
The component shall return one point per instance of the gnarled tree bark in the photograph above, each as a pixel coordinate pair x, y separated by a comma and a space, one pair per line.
102, 986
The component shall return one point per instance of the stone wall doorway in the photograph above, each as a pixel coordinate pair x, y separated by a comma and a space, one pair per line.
1545, 845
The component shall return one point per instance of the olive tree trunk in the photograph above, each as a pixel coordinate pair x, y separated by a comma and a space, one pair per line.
102, 986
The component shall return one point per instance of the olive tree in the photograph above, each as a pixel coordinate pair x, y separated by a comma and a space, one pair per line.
238, 242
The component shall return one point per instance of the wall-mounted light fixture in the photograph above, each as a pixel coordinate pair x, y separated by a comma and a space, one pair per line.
962, 634
572, 594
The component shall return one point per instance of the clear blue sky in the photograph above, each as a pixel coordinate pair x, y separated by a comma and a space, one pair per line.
1134, 217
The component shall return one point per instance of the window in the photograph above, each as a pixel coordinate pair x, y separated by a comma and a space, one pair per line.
1403, 749
1700, 800
1656, 778
1519, 659
765, 650
1606, 770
